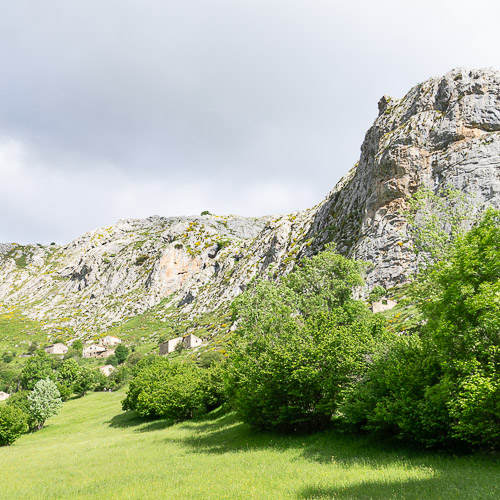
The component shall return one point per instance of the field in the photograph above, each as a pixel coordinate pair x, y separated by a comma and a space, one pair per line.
94, 450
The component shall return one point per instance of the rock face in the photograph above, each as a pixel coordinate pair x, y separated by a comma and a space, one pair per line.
445, 131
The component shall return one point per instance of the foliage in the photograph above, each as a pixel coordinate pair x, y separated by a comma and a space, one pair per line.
66, 376
8, 378
20, 400
300, 345
121, 353
45, 401
166, 389
205, 212
13, 423
38, 367
377, 293
87, 380
443, 386
7, 357
436, 220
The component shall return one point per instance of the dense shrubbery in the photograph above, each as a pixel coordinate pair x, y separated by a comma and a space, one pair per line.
301, 344
443, 386
13, 423
172, 390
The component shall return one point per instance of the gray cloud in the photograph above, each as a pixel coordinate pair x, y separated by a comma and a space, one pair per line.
128, 108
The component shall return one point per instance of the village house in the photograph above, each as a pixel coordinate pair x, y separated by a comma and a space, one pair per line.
109, 341
189, 342
4, 396
106, 353
93, 350
97, 351
58, 348
383, 305
107, 370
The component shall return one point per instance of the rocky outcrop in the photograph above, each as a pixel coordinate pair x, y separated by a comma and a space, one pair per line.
445, 131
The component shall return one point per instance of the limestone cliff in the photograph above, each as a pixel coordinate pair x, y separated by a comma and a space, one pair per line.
445, 131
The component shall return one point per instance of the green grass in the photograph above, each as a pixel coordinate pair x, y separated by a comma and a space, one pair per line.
94, 450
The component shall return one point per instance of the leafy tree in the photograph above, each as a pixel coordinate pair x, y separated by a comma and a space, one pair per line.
45, 401
38, 367
13, 423
121, 353
300, 344
20, 400
87, 380
166, 389
67, 375
443, 386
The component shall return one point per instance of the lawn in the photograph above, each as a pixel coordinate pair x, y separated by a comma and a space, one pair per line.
94, 450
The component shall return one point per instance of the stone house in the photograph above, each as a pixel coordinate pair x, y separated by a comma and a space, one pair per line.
93, 351
169, 346
106, 353
4, 396
58, 348
383, 305
189, 341
109, 341
107, 370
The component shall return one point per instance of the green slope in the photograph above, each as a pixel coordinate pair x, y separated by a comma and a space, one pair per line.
94, 450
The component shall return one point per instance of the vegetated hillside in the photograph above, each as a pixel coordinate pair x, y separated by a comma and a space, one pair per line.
445, 131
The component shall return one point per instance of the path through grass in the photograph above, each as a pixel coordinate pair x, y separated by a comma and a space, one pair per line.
94, 450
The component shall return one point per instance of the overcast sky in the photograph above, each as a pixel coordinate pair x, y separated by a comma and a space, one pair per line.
112, 109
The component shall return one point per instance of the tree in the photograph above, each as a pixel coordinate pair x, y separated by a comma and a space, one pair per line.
13, 423
66, 376
166, 389
300, 344
442, 385
121, 353
38, 367
87, 380
20, 400
45, 401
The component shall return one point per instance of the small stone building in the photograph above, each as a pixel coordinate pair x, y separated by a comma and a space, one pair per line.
4, 396
169, 346
58, 348
189, 342
93, 351
107, 370
109, 341
383, 305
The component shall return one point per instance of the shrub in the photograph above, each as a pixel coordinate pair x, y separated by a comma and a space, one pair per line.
13, 423
38, 367
20, 400
300, 345
166, 389
443, 386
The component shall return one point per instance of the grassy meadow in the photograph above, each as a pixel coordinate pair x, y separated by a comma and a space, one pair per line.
94, 450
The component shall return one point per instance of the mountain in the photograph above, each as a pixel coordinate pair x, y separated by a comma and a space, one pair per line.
443, 132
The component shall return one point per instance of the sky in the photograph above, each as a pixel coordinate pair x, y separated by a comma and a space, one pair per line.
130, 108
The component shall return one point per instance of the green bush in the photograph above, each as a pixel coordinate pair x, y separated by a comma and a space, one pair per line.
20, 400
38, 367
300, 345
442, 387
13, 423
166, 389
